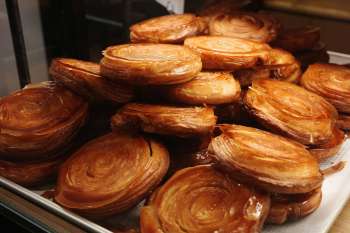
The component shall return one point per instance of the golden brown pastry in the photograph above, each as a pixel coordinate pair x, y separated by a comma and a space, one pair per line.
156, 64
85, 79
330, 148
330, 81
110, 174
246, 25
343, 122
169, 29
317, 54
269, 161
225, 53
38, 120
293, 207
206, 88
200, 200
168, 120
246, 76
298, 39
291, 111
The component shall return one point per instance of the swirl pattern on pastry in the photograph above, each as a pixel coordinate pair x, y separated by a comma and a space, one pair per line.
38, 120
168, 29
156, 64
330, 81
225, 53
246, 25
269, 161
291, 111
168, 120
200, 200
85, 79
110, 174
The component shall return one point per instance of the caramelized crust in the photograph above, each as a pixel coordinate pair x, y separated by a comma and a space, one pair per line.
330, 148
330, 81
168, 120
85, 79
38, 120
200, 200
269, 161
293, 207
206, 88
246, 25
298, 39
225, 53
291, 111
169, 29
110, 174
343, 122
156, 64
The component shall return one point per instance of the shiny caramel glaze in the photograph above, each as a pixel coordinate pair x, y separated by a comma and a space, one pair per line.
85, 79
203, 200
291, 111
298, 39
110, 174
343, 122
206, 88
246, 25
330, 81
169, 29
225, 53
168, 120
330, 148
293, 207
317, 54
269, 161
156, 64
38, 120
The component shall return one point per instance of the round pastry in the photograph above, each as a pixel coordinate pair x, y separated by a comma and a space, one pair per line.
225, 53
156, 64
330, 148
201, 199
292, 111
317, 54
343, 122
330, 81
168, 120
293, 207
38, 120
246, 25
168, 29
206, 88
85, 79
298, 39
110, 174
269, 161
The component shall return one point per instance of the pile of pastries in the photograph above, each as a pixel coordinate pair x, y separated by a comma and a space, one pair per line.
210, 122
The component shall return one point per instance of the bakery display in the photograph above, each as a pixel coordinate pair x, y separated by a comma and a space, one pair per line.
110, 174
167, 120
38, 120
201, 199
156, 64
169, 29
85, 79
291, 111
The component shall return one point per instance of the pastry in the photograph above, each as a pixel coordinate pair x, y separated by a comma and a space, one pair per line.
292, 111
144, 64
201, 199
85, 79
38, 120
293, 207
343, 122
246, 25
269, 161
330, 81
225, 53
168, 120
168, 29
110, 174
